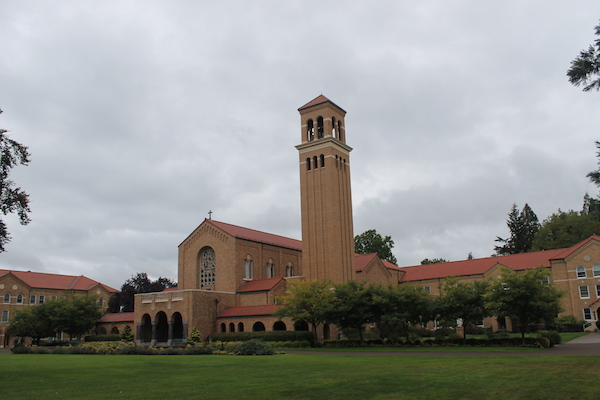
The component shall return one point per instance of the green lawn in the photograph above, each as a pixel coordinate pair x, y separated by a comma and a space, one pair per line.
312, 376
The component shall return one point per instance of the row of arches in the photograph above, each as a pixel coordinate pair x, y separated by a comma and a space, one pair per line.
336, 129
162, 329
113, 331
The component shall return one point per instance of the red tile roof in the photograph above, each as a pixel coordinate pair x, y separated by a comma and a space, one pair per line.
319, 100
361, 261
117, 317
480, 266
249, 311
259, 285
54, 281
256, 236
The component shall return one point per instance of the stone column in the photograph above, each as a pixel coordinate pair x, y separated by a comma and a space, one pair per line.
170, 338
154, 331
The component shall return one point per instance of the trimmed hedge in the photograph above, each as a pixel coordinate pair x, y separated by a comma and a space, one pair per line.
102, 338
267, 336
542, 342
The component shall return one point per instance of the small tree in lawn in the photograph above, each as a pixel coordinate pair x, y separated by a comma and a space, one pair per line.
32, 322
463, 300
353, 306
308, 302
74, 315
402, 306
525, 297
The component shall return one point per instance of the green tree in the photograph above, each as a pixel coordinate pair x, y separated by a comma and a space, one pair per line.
353, 306
585, 68
463, 300
591, 206
564, 229
308, 302
127, 334
402, 306
523, 226
12, 199
427, 261
139, 283
33, 322
74, 315
525, 297
372, 242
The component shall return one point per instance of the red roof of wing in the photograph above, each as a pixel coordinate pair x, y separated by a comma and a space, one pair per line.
361, 262
319, 100
248, 311
54, 281
117, 317
260, 285
479, 266
257, 236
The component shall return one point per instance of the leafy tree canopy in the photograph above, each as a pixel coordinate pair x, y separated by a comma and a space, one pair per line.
433, 261
12, 198
74, 315
585, 68
139, 283
463, 300
524, 297
372, 242
308, 302
564, 229
523, 226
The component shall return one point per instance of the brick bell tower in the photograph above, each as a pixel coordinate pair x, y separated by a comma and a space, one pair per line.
326, 199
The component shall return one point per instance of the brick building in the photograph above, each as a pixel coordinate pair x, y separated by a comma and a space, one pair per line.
22, 289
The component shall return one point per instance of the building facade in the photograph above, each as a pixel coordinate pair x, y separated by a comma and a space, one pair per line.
22, 289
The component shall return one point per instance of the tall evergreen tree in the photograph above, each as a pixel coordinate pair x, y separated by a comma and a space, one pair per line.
585, 68
523, 226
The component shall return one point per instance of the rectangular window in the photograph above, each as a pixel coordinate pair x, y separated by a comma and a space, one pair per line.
587, 314
584, 292
32, 299
42, 299
428, 288
5, 315
597, 290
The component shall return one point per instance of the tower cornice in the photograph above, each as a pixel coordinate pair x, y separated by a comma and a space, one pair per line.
322, 144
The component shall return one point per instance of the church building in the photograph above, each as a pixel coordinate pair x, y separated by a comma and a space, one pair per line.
229, 276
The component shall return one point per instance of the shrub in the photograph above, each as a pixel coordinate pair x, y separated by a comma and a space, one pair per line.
102, 338
127, 334
195, 337
567, 323
267, 336
254, 347
195, 350
552, 336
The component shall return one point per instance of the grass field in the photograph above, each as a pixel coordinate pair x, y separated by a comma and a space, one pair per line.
291, 376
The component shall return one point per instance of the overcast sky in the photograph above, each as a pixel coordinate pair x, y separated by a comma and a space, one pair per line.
141, 116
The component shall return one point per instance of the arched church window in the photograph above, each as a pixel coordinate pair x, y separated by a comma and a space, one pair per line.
289, 270
19, 299
241, 327
322, 161
320, 128
248, 268
270, 269
207, 267
333, 131
315, 162
310, 131
308, 164
7, 298
339, 129
581, 272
